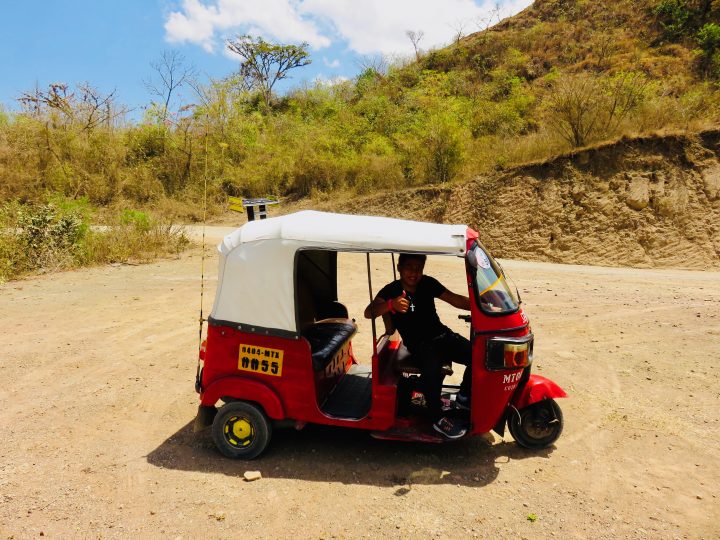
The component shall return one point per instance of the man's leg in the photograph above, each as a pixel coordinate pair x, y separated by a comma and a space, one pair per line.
459, 350
431, 380
431, 377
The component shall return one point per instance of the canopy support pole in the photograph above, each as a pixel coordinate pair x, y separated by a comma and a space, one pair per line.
372, 319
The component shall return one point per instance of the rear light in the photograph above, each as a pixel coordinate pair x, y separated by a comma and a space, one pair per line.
509, 353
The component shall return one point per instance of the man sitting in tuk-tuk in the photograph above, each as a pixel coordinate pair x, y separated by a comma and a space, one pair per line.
408, 305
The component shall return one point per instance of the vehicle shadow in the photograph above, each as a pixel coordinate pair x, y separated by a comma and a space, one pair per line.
331, 454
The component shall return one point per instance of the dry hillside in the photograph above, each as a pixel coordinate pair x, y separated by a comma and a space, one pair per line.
647, 202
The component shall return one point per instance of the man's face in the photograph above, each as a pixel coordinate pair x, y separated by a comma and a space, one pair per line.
410, 273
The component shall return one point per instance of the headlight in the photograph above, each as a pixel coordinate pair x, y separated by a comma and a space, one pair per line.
509, 353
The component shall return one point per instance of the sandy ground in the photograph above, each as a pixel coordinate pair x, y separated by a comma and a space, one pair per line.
97, 404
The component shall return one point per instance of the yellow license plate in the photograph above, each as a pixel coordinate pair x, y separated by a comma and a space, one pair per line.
260, 360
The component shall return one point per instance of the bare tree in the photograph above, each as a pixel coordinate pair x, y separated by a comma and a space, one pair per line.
459, 28
583, 107
58, 97
378, 64
95, 108
415, 38
87, 107
491, 18
263, 64
605, 47
172, 72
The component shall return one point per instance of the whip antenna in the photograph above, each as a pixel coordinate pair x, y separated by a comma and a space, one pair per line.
198, 386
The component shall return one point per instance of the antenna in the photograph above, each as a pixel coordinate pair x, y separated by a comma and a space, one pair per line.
198, 385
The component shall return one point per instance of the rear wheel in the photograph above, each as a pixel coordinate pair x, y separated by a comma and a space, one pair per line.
536, 426
241, 430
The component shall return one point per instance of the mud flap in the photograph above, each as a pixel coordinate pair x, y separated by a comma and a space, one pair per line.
205, 416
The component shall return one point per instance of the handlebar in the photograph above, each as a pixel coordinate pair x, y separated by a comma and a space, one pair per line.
466, 318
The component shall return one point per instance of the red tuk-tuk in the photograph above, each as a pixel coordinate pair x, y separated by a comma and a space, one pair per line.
279, 341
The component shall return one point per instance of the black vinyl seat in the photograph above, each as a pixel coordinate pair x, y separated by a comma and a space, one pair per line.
326, 338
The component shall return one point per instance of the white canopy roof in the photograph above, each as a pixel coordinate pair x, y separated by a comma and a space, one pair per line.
255, 280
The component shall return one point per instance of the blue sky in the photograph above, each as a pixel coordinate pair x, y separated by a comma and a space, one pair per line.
110, 43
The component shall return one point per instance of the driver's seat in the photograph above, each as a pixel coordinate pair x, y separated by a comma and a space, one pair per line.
406, 365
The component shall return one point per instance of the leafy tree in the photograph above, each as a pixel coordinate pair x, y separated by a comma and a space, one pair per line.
263, 63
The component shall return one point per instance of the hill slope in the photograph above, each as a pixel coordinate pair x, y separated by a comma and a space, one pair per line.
648, 202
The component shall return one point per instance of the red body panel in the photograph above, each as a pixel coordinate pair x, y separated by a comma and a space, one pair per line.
537, 389
241, 388
491, 390
294, 392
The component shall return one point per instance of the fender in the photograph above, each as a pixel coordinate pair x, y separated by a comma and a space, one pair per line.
247, 390
536, 389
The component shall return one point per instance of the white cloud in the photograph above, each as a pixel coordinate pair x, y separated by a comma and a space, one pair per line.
379, 26
330, 81
332, 64
367, 27
206, 24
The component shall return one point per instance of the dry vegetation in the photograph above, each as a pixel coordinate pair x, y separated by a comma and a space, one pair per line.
563, 74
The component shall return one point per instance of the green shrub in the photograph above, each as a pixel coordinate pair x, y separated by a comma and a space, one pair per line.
674, 16
57, 236
708, 38
135, 219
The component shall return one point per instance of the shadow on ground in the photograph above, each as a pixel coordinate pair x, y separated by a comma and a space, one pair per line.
331, 454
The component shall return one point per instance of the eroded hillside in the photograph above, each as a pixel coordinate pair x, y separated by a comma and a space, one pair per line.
647, 202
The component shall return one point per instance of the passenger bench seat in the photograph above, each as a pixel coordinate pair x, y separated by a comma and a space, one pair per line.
326, 338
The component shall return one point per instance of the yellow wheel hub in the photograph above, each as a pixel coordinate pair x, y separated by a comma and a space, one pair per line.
242, 429
238, 431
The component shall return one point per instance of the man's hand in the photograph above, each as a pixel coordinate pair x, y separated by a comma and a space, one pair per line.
401, 304
383, 307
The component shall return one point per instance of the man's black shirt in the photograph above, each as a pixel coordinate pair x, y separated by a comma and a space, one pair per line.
421, 321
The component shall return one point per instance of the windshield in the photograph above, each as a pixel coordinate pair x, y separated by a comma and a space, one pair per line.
491, 290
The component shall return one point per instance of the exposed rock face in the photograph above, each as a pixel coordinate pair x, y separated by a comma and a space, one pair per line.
638, 192
711, 181
652, 201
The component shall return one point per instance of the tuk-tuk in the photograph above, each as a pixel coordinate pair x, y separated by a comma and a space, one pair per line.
279, 340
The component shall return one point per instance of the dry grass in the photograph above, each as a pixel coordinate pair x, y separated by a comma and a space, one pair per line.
41, 239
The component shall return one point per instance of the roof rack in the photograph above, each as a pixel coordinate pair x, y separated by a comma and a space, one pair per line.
256, 208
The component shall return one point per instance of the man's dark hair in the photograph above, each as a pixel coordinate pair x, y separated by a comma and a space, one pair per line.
404, 257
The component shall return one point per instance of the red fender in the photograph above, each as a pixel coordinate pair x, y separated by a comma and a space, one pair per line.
537, 389
247, 390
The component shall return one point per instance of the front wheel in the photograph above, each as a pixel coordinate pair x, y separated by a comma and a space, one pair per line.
241, 430
536, 426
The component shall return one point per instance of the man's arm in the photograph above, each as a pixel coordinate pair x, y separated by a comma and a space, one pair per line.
456, 300
380, 306
376, 308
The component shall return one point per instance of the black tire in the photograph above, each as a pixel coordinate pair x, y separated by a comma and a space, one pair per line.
536, 426
241, 430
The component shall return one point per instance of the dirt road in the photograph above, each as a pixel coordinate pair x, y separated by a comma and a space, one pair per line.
97, 403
